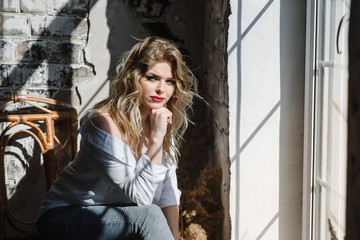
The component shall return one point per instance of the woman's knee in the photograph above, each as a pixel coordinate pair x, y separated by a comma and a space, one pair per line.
152, 213
155, 225
153, 210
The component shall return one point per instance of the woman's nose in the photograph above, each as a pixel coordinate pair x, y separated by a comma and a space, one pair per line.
159, 88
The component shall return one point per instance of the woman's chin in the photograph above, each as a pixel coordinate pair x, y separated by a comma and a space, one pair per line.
153, 106
158, 106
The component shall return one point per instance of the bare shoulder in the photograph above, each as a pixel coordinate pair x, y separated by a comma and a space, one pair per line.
105, 122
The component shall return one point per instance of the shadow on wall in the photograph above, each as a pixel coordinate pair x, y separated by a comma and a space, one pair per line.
49, 65
45, 68
290, 104
25, 180
26, 166
292, 75
236, 48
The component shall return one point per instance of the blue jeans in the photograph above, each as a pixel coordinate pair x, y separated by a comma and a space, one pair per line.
104, 222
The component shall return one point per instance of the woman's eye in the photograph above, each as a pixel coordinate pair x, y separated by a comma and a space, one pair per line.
150, 78
170, 82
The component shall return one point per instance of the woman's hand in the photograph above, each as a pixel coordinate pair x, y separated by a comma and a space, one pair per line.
159, 120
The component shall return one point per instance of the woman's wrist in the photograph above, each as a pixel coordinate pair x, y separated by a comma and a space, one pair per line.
156, 139
154, 151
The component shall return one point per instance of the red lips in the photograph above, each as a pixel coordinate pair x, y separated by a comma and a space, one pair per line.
157, 99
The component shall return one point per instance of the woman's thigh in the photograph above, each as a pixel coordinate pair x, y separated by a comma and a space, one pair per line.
104, 222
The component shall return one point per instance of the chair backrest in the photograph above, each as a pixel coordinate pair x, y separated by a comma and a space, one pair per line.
52, 125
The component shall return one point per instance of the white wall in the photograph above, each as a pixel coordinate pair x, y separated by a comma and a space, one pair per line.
111, 32
266, 85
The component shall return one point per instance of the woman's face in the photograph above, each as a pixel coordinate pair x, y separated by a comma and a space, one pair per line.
158, 85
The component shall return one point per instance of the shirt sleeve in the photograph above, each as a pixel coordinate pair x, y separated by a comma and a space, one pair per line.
170, 194
112, 160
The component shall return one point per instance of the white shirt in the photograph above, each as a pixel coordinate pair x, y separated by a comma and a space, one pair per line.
106, 172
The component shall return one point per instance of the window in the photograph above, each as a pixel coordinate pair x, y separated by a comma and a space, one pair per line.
326, 120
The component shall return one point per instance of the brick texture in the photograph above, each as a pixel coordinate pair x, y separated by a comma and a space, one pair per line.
14, 25
52, 51
43, 75
7, 51
42, 46
8, 5
59, 26
79, 7
34, 6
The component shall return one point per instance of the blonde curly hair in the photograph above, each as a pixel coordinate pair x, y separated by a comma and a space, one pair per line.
123, 103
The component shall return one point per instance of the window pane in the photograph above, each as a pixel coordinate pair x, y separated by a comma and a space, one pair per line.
331, 123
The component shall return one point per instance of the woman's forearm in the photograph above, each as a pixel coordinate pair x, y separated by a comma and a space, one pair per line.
172, 216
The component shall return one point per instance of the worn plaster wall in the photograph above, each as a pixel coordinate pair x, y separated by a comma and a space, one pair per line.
217, 90
112, 31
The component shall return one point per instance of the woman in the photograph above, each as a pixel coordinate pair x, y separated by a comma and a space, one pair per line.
125, 170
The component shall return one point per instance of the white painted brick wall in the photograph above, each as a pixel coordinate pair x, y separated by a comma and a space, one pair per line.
42, 46
34, 6
7, 51
14, 25
8, 5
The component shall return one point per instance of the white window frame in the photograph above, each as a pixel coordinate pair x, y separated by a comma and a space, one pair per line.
312, 98
309, 119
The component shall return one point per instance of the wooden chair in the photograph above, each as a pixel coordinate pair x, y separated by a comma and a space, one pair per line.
38, 118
